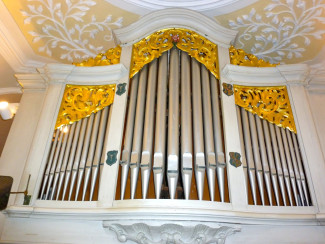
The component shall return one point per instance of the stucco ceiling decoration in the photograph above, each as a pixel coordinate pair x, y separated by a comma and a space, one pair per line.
283, 31
210, 8
65, 24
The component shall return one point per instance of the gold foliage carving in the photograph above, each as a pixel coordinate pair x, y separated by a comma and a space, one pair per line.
270, 103
111, 56
81, 101
239, 57
194, 44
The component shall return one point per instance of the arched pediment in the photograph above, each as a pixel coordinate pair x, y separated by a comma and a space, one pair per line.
175, 18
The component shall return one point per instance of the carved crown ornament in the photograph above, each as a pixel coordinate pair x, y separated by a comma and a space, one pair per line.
79, 102
171, 233
269, 103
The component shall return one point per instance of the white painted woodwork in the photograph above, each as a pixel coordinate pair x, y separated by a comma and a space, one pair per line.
237, 190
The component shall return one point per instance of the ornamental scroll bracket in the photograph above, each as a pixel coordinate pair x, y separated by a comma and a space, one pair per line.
241, 58
111, 56
81, 101
197, 46
269, 103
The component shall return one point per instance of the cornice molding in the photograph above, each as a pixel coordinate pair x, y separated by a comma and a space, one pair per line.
210, 8
10, 90
97, 75
279, 75
31, 81
175, 18
14, 47
171, 233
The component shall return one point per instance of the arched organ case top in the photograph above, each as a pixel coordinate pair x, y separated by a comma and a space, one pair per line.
76, 156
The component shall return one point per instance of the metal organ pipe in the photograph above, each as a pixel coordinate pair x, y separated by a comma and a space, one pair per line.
160, 130
138, 129
186, 124
173, 124
210, 156
147, 144
199, 157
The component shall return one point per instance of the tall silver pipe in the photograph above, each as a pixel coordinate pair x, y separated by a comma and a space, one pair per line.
76, 159
278, 163
290, 165
265, 163
49, 163
284, 164
271, 161
65, 159
160, 133
208, 132
104, 152
186, 122
138, 128
199, 158
91, 152
71, 157
98, 152
249, 154
147, 144
55, 160
83, 158
126, 153
58, 165
218, 138
257, 157
301, 170
173, 124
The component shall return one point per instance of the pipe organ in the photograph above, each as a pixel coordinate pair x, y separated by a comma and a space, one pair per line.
170, 126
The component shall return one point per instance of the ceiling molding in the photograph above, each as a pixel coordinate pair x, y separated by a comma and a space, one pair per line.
210, 8
31, 81
270, 76
175, 18
10, 90
14, 47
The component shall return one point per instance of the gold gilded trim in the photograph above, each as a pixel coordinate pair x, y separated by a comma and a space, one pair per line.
188, 41
239, 57
111, 56
270, 103
81, 101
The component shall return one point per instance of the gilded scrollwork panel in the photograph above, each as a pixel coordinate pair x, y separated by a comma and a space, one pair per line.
111, 56
81, 101
188, 41
240, 57
270, 103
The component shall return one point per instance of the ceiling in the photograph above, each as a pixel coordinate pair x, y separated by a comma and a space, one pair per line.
66, 31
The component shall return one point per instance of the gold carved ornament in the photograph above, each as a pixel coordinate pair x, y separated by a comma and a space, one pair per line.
79, 102
111, 56
197, 46
269, 103
239, 57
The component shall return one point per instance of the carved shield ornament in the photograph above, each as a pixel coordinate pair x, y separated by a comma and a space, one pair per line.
121, 88
111, 157
227, 89
235, 159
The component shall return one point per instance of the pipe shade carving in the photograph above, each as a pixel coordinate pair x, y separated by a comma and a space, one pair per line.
270, 103
81, 101
194, 44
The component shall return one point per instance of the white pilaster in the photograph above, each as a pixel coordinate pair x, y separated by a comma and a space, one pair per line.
236, 178
18, 143
109, 176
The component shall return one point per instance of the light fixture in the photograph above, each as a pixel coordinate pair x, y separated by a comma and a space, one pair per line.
8, 110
